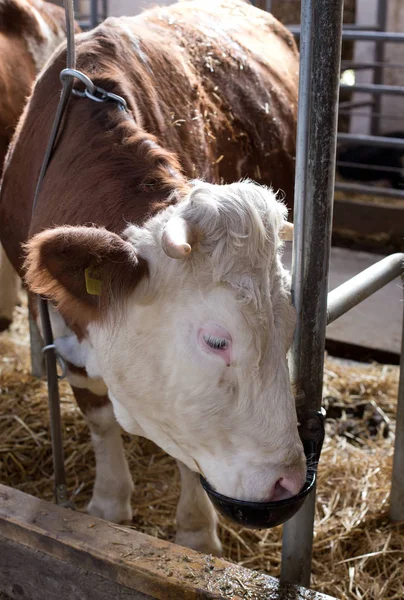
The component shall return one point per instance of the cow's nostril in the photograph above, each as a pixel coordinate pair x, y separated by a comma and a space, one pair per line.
285, 488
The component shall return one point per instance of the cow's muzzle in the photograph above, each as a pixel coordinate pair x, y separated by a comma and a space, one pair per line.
264, 515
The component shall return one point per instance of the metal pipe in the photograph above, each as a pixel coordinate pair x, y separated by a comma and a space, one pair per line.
344, 163
302, 148
396, 512
104, 5
322, 21
372, 140
368, 190
294, 27
372, 88
94, 13
54, 408
373, 36
268, 5
360, 36
378, 72
355, 103
347, 64
363, 285
388, 116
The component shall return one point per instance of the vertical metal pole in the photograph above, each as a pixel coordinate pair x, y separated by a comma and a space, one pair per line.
378, 71
268, 5
54, 407
397, 484
312, 243
94, 13
104, 9
36, 345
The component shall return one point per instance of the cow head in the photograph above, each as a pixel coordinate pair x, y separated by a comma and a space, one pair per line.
188, 320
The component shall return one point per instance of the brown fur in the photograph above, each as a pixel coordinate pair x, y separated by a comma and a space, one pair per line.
212, 93
57, 259
88, 401
17, 67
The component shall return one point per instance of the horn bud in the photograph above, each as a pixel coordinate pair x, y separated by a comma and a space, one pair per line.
286, 232
174, 239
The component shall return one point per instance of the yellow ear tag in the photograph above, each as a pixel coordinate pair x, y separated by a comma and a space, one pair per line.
93, 285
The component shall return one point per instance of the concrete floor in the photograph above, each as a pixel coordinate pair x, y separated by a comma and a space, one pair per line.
377, 322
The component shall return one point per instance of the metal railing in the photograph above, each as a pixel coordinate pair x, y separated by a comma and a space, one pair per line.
98, 12
357, 35
320, 47
377, 90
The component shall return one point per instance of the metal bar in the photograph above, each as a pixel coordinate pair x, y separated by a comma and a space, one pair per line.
361, 36
346, 64
363, 285
36, 345
355, 103
372, 140
302, 149
85, 25
378, 72
344, 163
104, 4
268, 5
371, 88
373, 36
368, 190
94, 13
54, 409
396, 512
365, 114
312, 247
358, 67
348, 27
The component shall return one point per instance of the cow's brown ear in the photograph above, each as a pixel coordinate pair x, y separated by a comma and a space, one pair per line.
82, 270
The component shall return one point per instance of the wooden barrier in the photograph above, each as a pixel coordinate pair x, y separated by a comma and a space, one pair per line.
51, 553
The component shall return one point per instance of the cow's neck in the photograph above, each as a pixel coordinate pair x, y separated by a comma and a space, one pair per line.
107, 171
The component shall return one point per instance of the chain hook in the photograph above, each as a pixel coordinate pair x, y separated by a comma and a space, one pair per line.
92, 92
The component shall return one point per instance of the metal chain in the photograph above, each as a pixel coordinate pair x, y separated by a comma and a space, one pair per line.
91, 91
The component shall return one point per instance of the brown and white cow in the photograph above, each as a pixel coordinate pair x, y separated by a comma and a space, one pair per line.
30, 31
171, 305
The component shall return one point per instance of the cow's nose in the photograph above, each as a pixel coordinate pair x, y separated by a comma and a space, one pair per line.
285, 488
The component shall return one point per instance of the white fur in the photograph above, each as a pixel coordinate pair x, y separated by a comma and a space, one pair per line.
196, 518
234, 424
237, 425
9, 287
113, 486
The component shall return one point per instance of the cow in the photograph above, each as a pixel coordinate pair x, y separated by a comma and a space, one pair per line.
370, 163
160, 259
30, 30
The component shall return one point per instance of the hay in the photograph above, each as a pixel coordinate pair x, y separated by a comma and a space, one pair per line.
358, 554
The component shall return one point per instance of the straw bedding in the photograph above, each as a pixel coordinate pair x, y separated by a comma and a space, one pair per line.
358, 554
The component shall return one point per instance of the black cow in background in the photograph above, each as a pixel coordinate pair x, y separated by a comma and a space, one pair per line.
385, 159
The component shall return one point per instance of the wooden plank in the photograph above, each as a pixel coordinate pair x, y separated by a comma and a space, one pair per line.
45, 577
85, 554
376, 322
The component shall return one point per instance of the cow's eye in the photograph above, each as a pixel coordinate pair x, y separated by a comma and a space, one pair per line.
215, 342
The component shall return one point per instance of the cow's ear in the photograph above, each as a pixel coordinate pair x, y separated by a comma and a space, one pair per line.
82, 270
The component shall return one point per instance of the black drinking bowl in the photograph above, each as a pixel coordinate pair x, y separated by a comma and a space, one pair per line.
264, 515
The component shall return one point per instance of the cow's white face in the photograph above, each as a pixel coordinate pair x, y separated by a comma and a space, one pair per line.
196, 359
